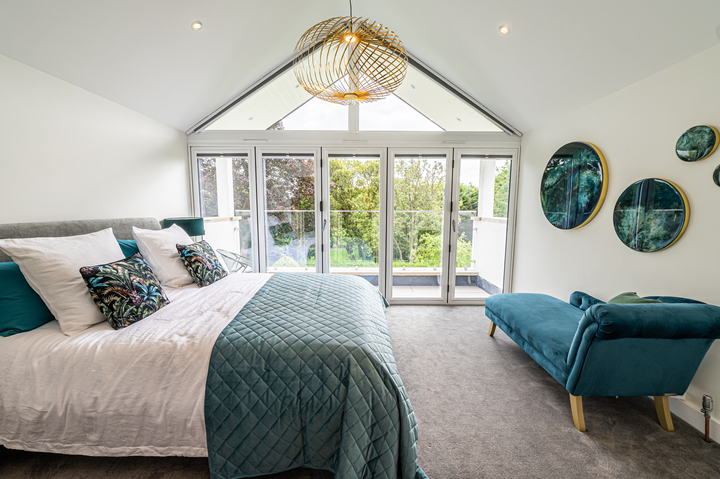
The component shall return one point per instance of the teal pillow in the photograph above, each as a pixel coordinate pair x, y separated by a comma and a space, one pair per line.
631, 298
128, 247
21, 309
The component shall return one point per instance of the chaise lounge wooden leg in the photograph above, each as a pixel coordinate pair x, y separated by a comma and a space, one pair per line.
577, 412
662, 406
492, 329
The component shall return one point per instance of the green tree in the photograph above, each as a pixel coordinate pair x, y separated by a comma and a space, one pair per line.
208, 186
418, 202
468, 195
355, 204
502, 182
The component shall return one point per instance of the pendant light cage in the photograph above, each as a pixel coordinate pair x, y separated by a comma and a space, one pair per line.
348, 60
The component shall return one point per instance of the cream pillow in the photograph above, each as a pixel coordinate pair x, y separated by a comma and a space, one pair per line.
51, 267
158, 248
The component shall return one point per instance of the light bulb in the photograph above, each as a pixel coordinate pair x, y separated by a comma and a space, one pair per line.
350, 38
504, 30
196, 26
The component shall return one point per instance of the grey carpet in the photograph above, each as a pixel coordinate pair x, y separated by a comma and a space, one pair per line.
484, 409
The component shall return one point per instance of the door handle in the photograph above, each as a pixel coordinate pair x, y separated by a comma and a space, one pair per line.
324, 225
453, 223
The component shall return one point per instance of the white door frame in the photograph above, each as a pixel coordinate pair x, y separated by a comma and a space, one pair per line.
382, 152
260, 188
513, 153
195, 185
390, 207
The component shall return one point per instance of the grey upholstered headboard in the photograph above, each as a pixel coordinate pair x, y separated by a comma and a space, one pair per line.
122, 227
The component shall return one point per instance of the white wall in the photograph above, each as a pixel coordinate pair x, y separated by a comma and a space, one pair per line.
66, 153
636, 128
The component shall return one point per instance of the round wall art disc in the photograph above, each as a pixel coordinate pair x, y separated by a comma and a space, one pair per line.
651, 215
574, 185
716, 175
697, 143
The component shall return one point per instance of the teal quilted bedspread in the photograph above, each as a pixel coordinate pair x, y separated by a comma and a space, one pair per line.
304, 376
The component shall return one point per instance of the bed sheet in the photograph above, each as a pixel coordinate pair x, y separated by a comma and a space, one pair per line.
135, 391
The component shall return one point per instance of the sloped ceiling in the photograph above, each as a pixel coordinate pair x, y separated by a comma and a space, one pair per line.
560, 54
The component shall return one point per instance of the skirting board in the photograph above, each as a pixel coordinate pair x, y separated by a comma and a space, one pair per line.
691, 414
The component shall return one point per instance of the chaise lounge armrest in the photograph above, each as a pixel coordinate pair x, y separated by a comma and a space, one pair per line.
583, 300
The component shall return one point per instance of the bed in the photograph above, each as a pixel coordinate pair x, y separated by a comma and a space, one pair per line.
261, 373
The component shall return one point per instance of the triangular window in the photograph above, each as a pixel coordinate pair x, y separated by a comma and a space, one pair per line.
393, 114
424, 102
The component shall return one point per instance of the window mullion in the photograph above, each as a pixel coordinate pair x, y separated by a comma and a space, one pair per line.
354, 118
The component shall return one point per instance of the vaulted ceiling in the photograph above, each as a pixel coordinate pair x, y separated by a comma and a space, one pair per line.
559, 56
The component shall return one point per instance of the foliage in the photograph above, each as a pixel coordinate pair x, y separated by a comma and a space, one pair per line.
355, 205
290, 199
354, 223
428, 253
419, 193
241, 184
502, 182
468, 195
208, 186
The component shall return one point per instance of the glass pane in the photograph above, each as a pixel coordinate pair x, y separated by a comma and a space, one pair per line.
482, 226
290, 213
393, 114
446, 109
207, 178
229, 233
355, 216
419, 191
264, 108
315, 115
282, 104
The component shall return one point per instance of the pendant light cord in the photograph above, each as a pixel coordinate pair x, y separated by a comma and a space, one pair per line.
350, 8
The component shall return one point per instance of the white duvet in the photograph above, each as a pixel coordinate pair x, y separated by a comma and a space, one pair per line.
135, 391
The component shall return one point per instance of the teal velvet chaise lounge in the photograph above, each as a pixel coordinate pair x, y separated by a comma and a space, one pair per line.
598, 349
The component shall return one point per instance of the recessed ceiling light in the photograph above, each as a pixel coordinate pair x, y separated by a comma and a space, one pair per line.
504, 30
196, 26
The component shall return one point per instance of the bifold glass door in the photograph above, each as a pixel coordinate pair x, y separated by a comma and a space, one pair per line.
479, 224
417, 223
356, 188
290, 192
423, 225
226, 201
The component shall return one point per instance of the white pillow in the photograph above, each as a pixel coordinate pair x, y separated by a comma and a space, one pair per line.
158, 248
52, 268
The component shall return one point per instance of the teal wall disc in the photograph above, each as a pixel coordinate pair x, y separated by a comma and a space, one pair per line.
697, 143
574, 185
651, 215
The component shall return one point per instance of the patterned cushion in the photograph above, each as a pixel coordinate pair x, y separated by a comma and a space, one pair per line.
126, 291
202, 263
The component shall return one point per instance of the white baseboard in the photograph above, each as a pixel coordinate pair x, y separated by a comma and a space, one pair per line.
690, 413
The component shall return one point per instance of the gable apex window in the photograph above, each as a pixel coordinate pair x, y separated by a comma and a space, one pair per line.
424, 102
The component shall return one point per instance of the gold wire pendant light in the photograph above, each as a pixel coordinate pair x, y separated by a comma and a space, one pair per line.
349, 60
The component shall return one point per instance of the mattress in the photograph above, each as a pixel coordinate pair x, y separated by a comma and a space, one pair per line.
135, 391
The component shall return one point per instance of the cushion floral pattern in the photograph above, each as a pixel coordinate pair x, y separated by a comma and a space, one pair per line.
202, 263
126, 291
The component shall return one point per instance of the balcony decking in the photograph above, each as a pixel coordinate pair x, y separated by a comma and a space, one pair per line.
403, 291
